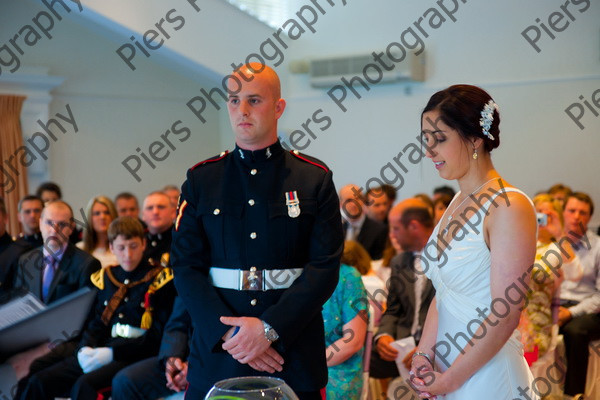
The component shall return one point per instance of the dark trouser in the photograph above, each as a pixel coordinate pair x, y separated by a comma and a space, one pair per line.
380, 369
193, 394
66, 378
57, 354
144, 380
578, 333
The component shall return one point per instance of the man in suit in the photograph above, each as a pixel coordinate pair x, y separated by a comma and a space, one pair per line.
409, 291
50, 272
58, 268
371, 234
256, 250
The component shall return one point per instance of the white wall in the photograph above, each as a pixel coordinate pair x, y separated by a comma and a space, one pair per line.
540, 144
116, 110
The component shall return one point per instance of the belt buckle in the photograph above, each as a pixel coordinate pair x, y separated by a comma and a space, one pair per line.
252, 280
121, 330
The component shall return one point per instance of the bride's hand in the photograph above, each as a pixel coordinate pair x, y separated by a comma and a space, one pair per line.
421, 376
429, 384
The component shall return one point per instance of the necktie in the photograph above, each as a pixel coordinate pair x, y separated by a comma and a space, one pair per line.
49, 271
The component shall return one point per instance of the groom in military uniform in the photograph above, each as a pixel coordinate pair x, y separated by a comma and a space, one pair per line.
256, 250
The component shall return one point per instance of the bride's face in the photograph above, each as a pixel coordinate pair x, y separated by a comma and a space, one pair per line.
445, 147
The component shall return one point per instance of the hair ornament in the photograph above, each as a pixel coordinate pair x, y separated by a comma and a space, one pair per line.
487, 118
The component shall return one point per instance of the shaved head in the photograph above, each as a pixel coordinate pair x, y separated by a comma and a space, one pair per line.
251, 71
254, 106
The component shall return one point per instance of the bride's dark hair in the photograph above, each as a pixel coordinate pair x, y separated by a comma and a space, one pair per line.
460, 108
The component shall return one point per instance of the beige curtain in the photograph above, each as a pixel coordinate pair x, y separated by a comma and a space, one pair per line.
13, 174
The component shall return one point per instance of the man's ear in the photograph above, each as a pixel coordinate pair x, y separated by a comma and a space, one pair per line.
279, 108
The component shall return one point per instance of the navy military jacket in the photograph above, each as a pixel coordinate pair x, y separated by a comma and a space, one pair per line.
130, 312
158, 247
233, 214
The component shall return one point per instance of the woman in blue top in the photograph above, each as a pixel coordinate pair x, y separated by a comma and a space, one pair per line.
346, 318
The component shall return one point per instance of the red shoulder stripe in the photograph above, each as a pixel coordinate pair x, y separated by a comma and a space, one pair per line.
310, 162
211, 159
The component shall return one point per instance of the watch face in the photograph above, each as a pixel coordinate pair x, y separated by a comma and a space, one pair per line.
272, 335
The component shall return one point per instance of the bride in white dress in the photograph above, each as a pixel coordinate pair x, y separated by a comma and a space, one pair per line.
478, 258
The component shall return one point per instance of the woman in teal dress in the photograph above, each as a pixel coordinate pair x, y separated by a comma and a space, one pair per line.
345, 315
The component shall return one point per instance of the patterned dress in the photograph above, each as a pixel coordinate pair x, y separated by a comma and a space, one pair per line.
536, 320
349, 297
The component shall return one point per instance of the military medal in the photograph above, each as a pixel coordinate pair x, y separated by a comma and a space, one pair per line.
293, 204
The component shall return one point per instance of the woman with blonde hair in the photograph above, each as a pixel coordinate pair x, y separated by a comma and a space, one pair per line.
100, 212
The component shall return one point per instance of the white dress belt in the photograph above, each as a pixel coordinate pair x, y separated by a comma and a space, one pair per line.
253, 279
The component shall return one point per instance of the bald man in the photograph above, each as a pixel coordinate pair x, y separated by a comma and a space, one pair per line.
371, 234
256, 250
410, 291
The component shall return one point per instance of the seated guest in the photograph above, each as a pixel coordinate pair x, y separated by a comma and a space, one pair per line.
425, 199
443, 190
100, 212
10, 251
127, 206
173, 192
555, 261
409, 291
379, 202
160, 376
372, 235
356, 256
345, 316
50, 272
50, 191
29, 213
440, 204
158, 213
578, 315
560, 192
65, 267
133, 304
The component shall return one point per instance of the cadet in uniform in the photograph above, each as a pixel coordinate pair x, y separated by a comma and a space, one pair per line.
158, 213
256, 250
161, 376
132, 306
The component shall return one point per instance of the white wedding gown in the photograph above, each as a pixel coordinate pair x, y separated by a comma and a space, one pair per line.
462, 284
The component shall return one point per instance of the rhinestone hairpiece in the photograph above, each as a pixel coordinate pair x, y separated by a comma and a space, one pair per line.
487, 117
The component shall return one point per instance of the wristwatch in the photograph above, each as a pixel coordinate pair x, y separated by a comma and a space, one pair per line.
270, 333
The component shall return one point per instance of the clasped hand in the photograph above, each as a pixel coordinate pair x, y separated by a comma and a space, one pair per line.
249, 345
176, 374
427, 382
